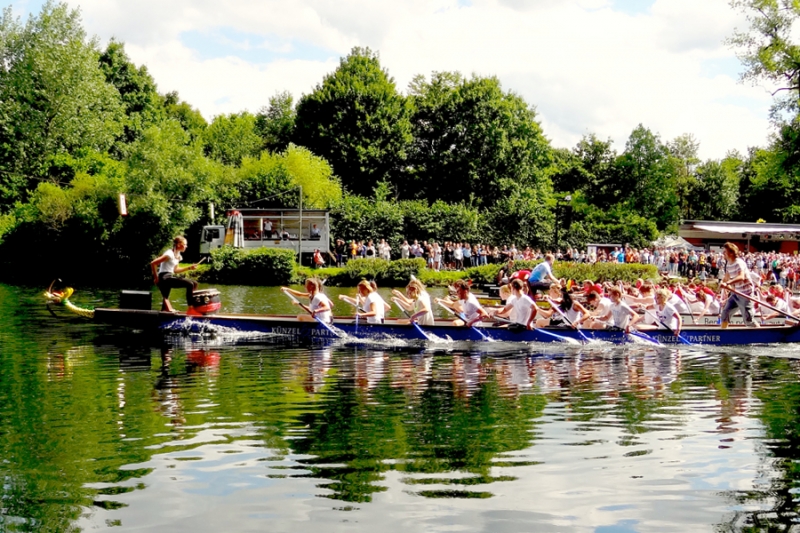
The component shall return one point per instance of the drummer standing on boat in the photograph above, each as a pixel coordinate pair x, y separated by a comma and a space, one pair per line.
737, 276
165, 267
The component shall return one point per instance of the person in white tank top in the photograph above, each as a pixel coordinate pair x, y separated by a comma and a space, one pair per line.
164, 268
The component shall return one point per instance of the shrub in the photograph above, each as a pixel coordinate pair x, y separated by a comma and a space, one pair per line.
399, 272
259, 266
443, 278
358, 269
485, 274
390, 273
605, 271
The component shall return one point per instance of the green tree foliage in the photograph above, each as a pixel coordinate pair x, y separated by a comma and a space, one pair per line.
275, 123
770, 182
716, 195
648, 175
230, 138
137, 89
358, 121
275, 178
53, 97
472, 140
190, 119
769, 51
168, 179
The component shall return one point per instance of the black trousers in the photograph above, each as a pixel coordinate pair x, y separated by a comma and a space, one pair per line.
167, 281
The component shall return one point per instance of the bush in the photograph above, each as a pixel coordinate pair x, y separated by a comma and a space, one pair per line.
399, 272
358, 269
605, 271
485, 274
391, 273
333, 275
258, 266
443, 278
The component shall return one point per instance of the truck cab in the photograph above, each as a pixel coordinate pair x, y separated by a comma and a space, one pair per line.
211, 238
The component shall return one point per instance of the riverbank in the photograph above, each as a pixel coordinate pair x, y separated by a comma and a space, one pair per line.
271, 267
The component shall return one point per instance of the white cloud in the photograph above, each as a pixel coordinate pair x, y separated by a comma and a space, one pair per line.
586, 67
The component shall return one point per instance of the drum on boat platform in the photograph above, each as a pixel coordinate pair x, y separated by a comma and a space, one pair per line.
204, 302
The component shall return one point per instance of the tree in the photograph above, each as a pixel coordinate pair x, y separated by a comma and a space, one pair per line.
357, 121
274, 178
275, 123
469, 135
684, 150
768, 49
53, 96
717, 191
647, 173
190, 119
137, 89
230, 138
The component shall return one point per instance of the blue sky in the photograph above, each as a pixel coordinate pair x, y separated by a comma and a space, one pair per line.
588, 66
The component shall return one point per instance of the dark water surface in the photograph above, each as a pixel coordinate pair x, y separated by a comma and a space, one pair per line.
102, 428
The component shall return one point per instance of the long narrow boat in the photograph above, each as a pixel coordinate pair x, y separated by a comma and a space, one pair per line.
290, 326
444, 330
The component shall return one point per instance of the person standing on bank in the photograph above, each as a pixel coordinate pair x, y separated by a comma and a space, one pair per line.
164, 275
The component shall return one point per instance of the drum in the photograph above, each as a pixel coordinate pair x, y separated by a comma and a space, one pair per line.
204, 302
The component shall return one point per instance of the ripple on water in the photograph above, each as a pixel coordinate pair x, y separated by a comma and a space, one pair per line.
100, 427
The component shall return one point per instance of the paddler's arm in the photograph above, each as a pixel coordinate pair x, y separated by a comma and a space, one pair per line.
348, 299
402, 303
297, 294
481, 315
530, 323
635, 317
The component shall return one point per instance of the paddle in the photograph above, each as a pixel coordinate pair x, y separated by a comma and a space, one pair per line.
564, 316
762, 304
679, 337
645, 337
559, 338
462, 317
310, 312
413, 323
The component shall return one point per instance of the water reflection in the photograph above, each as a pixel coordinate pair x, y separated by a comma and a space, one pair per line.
103, 428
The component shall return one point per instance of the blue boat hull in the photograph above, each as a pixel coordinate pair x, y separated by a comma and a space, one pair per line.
291, 327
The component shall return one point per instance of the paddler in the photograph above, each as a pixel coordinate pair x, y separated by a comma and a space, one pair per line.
374, 306
319, 305
467, 304
417, 301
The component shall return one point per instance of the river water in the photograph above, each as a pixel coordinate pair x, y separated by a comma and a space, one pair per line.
106, 428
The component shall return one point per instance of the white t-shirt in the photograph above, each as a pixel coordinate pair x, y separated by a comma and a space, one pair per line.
522, 309
171, 263
620, 314
603, 308
676, 302
423, 302
316, 302
669, 316
374, 302
471, 306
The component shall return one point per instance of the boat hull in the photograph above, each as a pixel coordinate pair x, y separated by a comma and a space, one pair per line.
291, 327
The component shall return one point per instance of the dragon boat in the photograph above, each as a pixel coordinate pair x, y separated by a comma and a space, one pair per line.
205, 318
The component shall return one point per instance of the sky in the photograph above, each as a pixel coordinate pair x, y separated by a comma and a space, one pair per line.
588, 66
